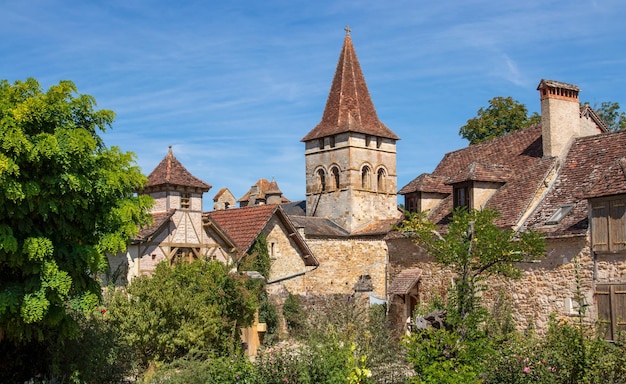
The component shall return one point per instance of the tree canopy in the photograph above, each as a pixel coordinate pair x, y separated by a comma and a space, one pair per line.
610, 113
503, 115
66, 200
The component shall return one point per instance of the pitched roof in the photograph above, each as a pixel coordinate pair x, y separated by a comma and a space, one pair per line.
244, 225
158, 220
516, 158
427, 183
349, 107
171, 172
261, 189
595, 166
404, 281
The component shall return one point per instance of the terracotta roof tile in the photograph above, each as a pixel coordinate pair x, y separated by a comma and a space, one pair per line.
262, 188
593, 168
515, 158
404, 281
349, 107
171, 171
427, 183
243, 225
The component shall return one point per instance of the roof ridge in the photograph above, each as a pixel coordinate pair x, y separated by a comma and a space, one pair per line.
349, 106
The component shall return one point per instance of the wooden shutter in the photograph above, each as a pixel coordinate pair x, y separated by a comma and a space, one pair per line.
617, 225
611, 302
599, 225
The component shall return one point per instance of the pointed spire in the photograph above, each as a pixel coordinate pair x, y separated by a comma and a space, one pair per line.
171, 171
349, 107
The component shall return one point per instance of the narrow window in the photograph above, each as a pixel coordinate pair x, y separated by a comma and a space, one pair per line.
365, 177
321, 143
380, 180
368, 140
462, 196
335, 174
379, 142
321, 179
185, 201
331, 141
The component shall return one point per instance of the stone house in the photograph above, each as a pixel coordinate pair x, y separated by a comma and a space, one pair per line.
564, 177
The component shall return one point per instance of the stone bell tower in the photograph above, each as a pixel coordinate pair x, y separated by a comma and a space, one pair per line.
350, 155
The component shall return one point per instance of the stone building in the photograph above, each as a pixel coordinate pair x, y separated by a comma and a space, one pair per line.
564, 177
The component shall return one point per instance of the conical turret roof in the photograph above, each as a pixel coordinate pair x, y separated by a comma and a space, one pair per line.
171, 172
349, 107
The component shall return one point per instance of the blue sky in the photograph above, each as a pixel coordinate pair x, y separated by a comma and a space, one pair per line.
233, 86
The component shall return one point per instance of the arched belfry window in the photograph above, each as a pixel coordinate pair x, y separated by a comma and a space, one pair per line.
321, 180
334, 172
366, 174
380, 180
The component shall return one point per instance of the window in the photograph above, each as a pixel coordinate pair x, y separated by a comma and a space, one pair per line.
185, 201
320, 142
183, 255
321, 180
365, 177
334, 171
331, 141
379, 142
608, 224
462, 196
368, 140
411, 202
560, 213
380, 180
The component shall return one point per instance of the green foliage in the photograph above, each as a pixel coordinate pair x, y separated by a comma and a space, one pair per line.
219, 370
474, 248
445, 356
610, 113
503, 115
293, 314
259, 257
66, 200
268, 315
186, 310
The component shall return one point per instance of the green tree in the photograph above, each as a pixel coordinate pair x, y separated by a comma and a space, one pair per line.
191, 310
610, 113
503, 115
66, 200
474, 248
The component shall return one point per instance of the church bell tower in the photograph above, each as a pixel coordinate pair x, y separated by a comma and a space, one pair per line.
350, 156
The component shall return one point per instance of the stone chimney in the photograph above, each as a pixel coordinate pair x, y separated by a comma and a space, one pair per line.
560, 116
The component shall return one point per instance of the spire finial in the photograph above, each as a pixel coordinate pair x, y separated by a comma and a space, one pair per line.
348, 30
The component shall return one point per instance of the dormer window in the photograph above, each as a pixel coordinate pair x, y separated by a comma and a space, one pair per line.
185, 201
560, 213
462, 196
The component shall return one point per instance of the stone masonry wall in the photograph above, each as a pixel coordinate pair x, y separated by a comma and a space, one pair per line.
547, 287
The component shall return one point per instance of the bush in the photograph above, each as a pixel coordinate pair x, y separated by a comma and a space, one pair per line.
220, 370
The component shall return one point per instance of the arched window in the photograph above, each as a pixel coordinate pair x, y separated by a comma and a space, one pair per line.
334, 171
365, 177
380, 180
321, 179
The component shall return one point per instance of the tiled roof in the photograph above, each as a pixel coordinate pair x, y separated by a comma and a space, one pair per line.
349, 107
158, 220
594, 167
243, 225
318, 226
263, 188
404, 281
171, 171
481, 172
427, 183
379, 227
516, 158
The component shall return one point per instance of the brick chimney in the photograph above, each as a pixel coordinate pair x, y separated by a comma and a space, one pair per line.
560, 116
